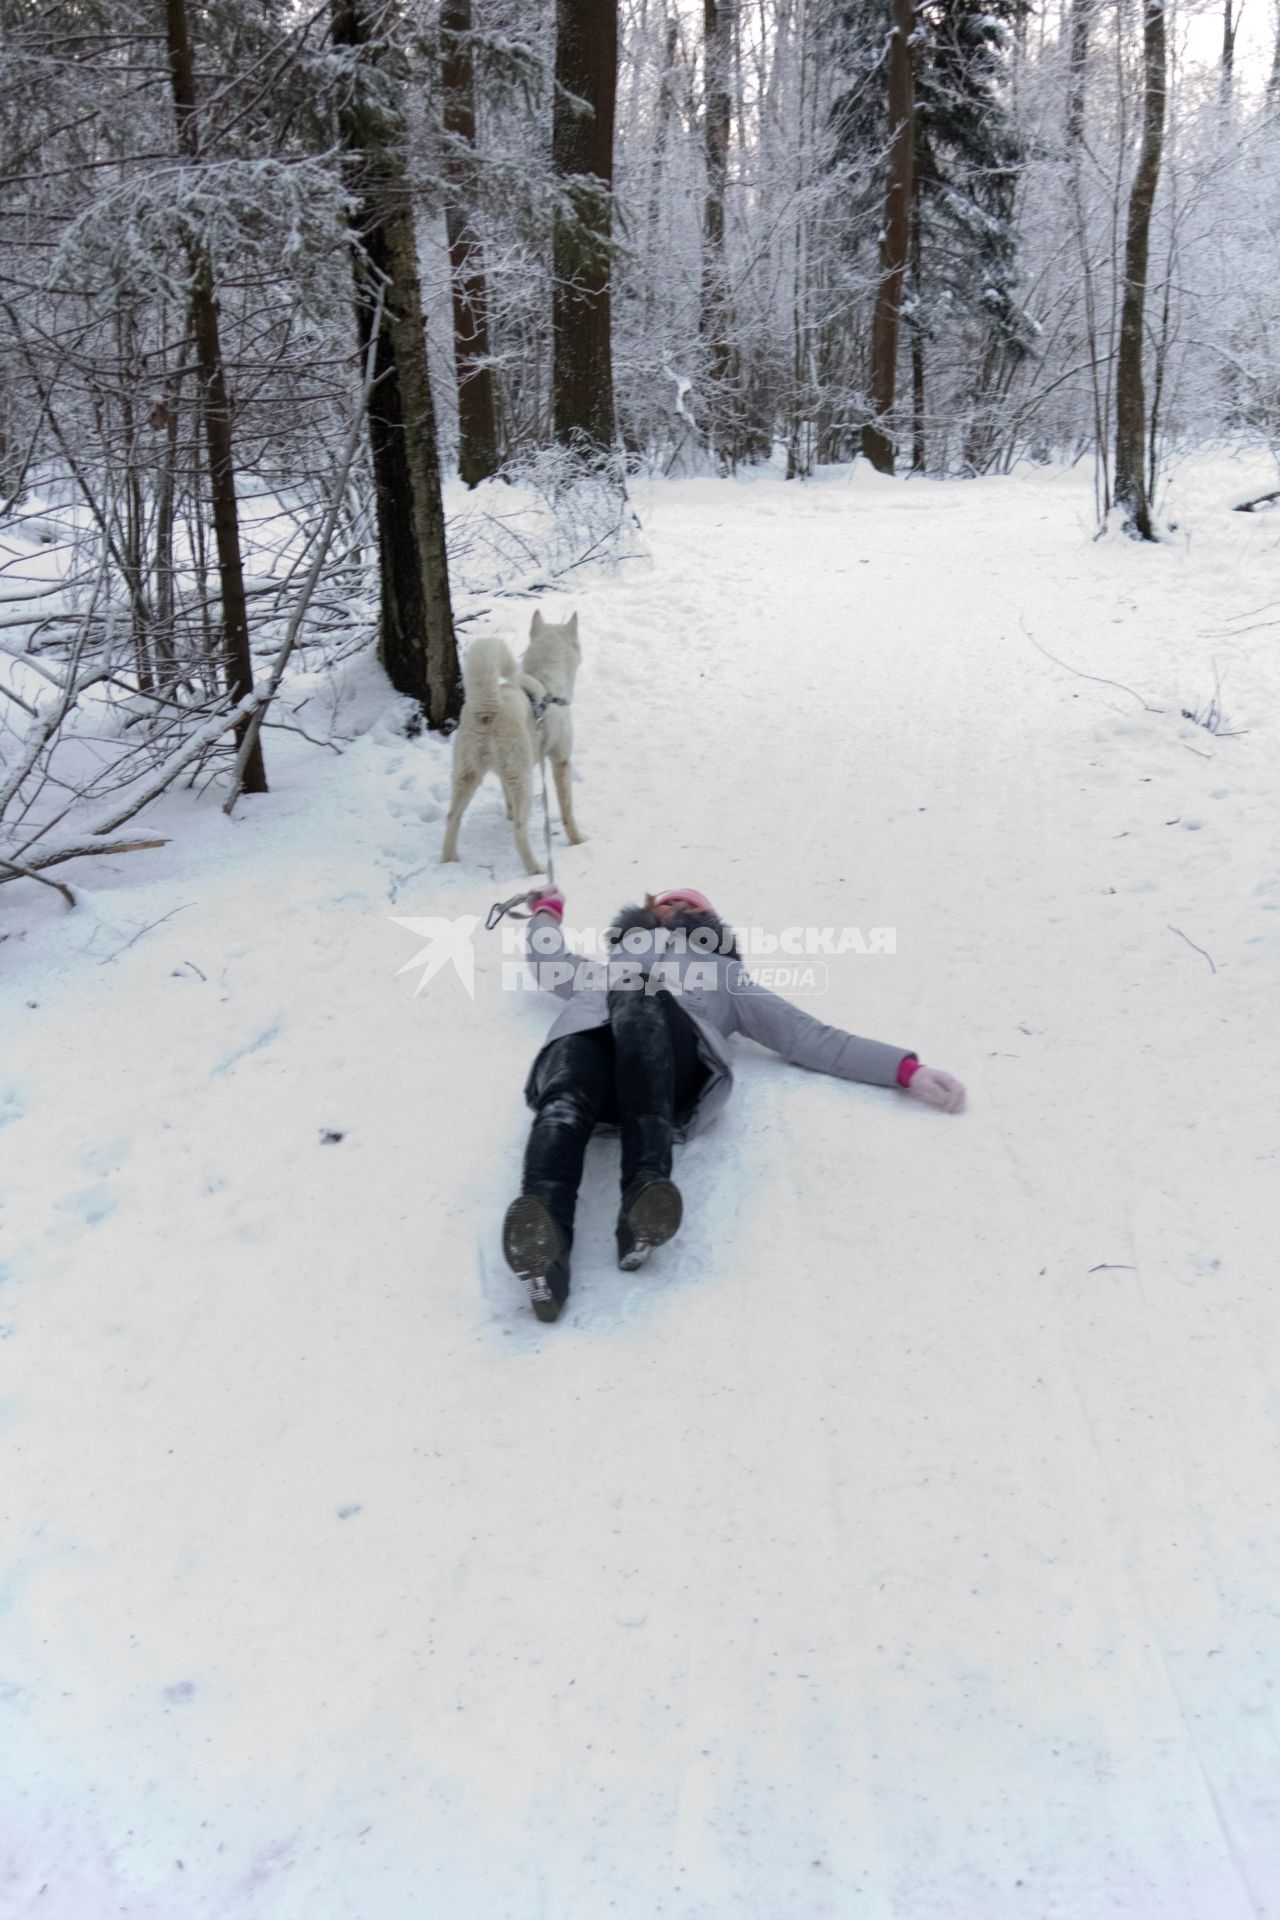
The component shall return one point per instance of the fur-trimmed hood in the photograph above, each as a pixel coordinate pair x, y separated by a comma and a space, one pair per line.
698, 931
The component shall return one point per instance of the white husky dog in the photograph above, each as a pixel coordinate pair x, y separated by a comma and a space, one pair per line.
512, 718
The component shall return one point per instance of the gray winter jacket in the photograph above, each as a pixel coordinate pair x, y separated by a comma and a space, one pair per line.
720, 997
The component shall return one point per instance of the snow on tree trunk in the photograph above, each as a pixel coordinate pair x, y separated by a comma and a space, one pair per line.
216, 407
1131, 489
917, 335
877, 441
670, 52
477, 407
1077, 70
715, 321
582, 156
166, 416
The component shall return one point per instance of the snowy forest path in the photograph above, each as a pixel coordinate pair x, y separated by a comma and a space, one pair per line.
900, 1541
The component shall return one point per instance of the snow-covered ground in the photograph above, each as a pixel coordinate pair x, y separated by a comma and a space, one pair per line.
904, 1541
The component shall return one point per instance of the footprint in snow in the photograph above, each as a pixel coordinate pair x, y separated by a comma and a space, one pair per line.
105, 1157
91, 1204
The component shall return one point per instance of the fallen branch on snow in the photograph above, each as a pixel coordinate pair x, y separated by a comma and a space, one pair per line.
18, 871
28, 859
1081, 675
151, 924
1191, 943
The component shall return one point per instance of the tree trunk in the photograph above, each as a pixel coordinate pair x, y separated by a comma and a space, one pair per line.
877, 441
477, 411
417, 642
1131, 477
1230, 26
215, 408
1077, 70
662, 129
199, 550
715, 317
1081, 21
582, 156
132, 534
166, 416
917, 336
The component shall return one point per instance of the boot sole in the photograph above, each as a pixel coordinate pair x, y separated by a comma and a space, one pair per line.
652, 1219
531, 1244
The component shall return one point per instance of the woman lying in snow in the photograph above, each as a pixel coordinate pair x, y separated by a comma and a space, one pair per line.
642, 1046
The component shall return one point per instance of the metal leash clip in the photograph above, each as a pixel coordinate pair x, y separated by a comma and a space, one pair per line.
501, 908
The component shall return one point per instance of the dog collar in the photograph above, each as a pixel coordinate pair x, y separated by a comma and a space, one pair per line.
548, 700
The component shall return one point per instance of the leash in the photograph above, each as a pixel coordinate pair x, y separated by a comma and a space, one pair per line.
546, 824
501, 908
539, 707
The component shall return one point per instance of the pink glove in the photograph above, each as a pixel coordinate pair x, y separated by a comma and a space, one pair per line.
552, 901
937, 1089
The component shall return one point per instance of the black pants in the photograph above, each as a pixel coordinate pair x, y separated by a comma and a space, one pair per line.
637, 1073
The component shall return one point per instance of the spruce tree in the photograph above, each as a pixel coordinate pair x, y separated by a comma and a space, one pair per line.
968, 155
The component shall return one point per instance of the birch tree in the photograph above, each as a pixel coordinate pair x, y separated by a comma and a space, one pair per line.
1131, 479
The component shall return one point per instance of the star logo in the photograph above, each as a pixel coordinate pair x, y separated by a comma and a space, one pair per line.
448, 944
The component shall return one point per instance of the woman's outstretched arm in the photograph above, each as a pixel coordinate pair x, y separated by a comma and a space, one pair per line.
802, 1040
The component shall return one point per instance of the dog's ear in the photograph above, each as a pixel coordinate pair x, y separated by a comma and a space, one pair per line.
535, 625
572, 623
650, 902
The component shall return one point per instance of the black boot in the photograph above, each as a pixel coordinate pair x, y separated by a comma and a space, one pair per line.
651, 1206
536, 1247
538, 1230
651, 1213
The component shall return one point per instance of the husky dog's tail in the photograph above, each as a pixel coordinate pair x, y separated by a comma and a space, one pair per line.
488, 663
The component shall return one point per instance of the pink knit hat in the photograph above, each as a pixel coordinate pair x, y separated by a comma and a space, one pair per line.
684, 897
